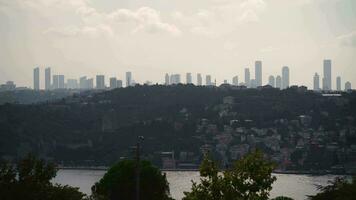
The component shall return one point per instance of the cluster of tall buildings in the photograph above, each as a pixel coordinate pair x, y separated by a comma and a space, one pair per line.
326, 81
176, 79
281, 81
58, 81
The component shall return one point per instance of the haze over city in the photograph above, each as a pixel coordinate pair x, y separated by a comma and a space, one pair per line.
177, 99
216, 37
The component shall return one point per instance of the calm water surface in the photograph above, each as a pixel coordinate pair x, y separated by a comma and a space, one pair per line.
295, 186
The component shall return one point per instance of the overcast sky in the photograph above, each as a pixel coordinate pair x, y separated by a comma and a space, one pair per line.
154, 37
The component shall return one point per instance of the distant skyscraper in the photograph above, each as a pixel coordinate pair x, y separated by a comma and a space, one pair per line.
225, 82
119, 83
285, 77
199, 80
166, 79
83, 83
171, 79
347, 86
253, 83
279, 82
327, 75
72, 83
100, 82
90, 83
47, 78
338, 83
271, 81
174, 79
128, 79
235, 80
208, 80
36, 78
55, 82
61, 83
177, 78
189, 78
113, 83
247, 77
316, 81
258, 73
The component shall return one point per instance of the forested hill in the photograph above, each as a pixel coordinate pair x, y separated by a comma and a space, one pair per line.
101, 127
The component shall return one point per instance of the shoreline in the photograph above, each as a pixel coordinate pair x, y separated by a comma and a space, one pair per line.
295, 172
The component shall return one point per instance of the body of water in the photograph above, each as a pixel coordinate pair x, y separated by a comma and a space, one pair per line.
291, 185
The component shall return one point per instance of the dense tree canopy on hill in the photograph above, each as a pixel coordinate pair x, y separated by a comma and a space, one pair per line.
101, 126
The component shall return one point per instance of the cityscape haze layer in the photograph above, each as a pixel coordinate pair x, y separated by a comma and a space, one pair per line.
150, 39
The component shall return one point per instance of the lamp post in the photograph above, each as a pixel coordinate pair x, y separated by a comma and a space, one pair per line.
138, 167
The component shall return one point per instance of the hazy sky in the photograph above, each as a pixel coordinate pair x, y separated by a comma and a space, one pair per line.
152, 37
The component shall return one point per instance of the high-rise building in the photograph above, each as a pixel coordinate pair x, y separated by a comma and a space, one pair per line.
113, 83
199, 80
166, 79
347, 86
174, 79
100, 82
285, 77
271, 81
189, 78
316, 81
55, 82
258, 73
327, 75
171, 79
235, 80
279, 82
208, 80
119, 83
90, 83
61, 82
247, 77
128, 79
36, 78
72, 83
83, 83
253, 83
47, 78
338, 83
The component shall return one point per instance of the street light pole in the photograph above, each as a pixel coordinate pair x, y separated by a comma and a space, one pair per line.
138, 167
138, 170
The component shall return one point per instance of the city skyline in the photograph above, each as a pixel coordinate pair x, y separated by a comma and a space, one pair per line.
281, 81
150, 38
256, 70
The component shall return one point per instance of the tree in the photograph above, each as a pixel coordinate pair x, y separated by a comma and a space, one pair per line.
119, 182
249, 179
338, 189
210, 186
30, 180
